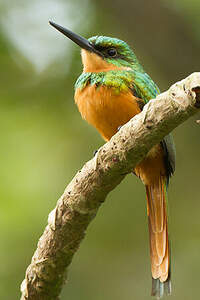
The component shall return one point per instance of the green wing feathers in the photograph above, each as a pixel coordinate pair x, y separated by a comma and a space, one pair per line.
146, 89
144, 86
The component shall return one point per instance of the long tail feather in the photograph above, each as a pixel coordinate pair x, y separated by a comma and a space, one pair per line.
158, 236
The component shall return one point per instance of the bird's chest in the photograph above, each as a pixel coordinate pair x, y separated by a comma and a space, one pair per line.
106, 109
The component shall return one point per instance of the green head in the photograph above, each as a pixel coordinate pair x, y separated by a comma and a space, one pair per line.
101, 52
115, 51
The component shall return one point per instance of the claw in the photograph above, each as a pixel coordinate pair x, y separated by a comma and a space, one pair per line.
118, 129
95, 152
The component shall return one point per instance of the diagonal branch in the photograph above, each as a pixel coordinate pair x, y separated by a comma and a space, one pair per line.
76, 208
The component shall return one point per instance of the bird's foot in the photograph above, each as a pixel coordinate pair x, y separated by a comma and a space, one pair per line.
118, 129
95, 152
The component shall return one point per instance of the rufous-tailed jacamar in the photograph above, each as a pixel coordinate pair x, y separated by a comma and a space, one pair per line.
112, 89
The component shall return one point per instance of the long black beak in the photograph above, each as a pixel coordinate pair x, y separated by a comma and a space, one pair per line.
79, 40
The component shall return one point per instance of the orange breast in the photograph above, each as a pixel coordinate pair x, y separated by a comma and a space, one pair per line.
106, 110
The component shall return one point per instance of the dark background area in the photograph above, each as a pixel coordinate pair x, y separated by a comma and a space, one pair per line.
44, 142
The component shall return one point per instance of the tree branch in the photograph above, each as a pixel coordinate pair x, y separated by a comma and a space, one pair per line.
79, 204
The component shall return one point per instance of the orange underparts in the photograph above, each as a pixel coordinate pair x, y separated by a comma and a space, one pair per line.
107, 110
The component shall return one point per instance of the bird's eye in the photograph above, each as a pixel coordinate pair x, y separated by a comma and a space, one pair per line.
112, 52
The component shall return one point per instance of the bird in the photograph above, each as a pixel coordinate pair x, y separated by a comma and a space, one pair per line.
111, 90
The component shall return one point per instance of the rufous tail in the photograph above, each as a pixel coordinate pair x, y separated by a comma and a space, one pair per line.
158, 236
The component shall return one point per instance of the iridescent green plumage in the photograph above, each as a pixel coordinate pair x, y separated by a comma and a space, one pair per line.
133, 77
127, 57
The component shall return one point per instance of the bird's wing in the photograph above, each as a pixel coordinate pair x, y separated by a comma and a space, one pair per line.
146, 89
144, 86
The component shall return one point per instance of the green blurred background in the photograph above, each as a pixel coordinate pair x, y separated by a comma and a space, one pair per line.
44, 142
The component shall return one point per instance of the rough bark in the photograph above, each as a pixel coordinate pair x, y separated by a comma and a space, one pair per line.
76, 208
